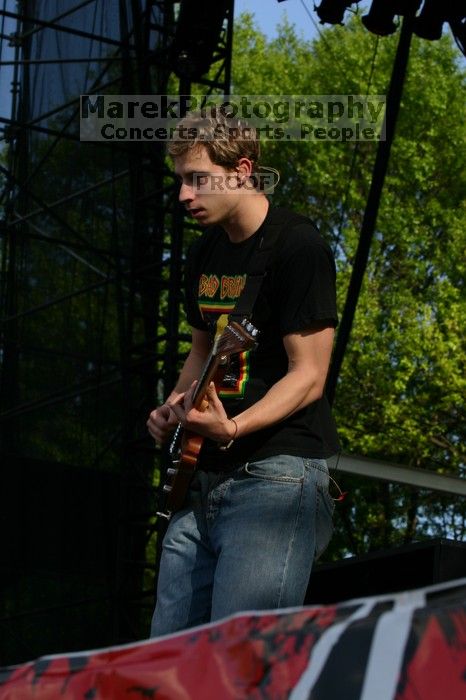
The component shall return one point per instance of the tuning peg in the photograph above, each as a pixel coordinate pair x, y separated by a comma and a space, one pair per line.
247, 325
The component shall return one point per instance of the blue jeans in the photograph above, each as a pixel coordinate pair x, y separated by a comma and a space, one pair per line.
246, 541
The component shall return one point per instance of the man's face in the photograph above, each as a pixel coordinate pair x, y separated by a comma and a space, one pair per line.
208, 191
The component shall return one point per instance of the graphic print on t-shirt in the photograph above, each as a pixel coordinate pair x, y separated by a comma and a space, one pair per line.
217, 298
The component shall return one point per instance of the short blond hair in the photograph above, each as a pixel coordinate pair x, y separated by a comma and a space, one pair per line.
225, 139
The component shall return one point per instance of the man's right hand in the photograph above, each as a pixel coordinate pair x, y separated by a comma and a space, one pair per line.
161, 423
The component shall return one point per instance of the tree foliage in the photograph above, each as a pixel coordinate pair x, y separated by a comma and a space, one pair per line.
400, 395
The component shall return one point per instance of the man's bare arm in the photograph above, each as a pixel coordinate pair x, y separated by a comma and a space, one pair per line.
309, 355
194, 363
162, 420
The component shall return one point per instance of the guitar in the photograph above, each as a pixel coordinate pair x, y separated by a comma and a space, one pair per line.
185, 446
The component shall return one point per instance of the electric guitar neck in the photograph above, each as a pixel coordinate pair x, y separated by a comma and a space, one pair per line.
186, 446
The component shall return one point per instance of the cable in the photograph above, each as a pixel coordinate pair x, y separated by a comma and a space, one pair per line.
324, 40
355, 151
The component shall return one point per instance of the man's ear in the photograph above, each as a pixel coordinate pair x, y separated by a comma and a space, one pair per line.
244, 169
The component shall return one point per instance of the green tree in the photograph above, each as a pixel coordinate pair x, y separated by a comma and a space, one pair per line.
401, 392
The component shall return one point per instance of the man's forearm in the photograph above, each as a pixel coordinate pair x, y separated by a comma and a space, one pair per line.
294, 391
309, 355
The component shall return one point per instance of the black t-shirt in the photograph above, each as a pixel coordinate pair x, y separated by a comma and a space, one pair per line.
298, 293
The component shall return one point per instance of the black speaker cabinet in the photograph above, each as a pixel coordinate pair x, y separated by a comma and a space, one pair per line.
389, 571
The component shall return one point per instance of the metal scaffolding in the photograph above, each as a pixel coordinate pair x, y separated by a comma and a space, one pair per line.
92, 251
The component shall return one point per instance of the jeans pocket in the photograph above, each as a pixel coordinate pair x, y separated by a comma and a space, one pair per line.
285, 468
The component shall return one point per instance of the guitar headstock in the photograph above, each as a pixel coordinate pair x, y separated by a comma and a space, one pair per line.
235, 338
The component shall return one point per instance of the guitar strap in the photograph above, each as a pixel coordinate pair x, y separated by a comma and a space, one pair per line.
258, 263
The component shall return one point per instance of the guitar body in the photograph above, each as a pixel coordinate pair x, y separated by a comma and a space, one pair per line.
186, 446
190, 449
180, 473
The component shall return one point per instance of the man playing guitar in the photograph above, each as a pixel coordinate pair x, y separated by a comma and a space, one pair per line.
257, 510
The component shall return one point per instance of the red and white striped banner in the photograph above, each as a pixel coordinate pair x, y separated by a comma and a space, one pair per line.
407, 646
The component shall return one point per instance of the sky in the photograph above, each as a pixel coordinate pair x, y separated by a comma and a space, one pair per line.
269, 13
7, 26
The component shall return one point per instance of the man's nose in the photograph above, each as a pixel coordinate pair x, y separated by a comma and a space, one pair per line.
186, 193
